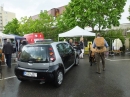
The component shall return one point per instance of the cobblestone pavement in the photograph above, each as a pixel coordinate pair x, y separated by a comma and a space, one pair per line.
80, 81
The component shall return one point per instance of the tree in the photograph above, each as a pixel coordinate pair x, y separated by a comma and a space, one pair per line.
12, 27
45, 23
27, 25
129, 14
101, 13
60, 24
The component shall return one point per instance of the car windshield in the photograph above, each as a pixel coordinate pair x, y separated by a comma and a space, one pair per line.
34, 54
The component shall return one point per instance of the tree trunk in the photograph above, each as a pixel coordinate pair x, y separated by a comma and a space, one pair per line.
99, 26
92, 29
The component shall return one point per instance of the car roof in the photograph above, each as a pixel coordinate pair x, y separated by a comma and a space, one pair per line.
45, 43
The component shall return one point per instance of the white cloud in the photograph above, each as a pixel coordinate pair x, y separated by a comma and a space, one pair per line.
32, 7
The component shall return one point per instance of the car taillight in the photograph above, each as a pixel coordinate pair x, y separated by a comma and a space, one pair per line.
51, 54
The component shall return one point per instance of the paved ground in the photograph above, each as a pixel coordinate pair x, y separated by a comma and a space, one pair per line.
80, 81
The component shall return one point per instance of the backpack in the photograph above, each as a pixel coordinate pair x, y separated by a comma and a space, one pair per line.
100, 44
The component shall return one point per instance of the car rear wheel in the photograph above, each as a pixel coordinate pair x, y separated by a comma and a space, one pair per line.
77, 61
58, 78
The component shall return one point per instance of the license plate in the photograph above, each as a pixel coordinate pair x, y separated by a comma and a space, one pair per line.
30, 74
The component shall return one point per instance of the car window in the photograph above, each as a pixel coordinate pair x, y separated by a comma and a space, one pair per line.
35, 54
60, 48
68, 48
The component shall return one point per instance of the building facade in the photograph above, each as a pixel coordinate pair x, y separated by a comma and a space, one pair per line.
5, 17
54, 12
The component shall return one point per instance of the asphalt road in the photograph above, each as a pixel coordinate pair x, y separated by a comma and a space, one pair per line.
80, 81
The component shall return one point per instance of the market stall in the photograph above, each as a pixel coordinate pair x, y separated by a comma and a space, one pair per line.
16, 42
77, 32
3, 38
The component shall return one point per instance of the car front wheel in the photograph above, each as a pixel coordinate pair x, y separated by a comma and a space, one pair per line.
58, 78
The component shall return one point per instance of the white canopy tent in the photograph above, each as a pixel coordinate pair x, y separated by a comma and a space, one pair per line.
2, 37
76, 32
5, 36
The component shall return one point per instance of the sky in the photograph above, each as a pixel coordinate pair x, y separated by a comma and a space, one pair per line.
32, 7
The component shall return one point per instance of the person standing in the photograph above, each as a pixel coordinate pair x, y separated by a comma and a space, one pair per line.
81, 43
23, 43
7, 51
71, 42
100, 46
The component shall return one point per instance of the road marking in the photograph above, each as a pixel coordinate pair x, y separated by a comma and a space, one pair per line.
8, 78
117, 59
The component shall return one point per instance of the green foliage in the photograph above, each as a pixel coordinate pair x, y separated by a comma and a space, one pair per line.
12, 27
78, 12
62, 27
45, 23
129, 14
92, 13
25, 25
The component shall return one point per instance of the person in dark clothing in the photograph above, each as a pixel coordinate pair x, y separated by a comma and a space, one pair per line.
23, 43
7, 51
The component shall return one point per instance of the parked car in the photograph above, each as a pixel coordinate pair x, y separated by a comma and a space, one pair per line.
46, 62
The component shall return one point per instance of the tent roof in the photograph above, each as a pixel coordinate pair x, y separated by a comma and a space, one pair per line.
76, 32
6, 36
18, 37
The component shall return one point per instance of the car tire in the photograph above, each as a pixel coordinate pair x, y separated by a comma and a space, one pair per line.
22, 80
77, 61
58, 78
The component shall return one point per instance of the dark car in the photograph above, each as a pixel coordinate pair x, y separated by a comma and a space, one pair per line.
46, 62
